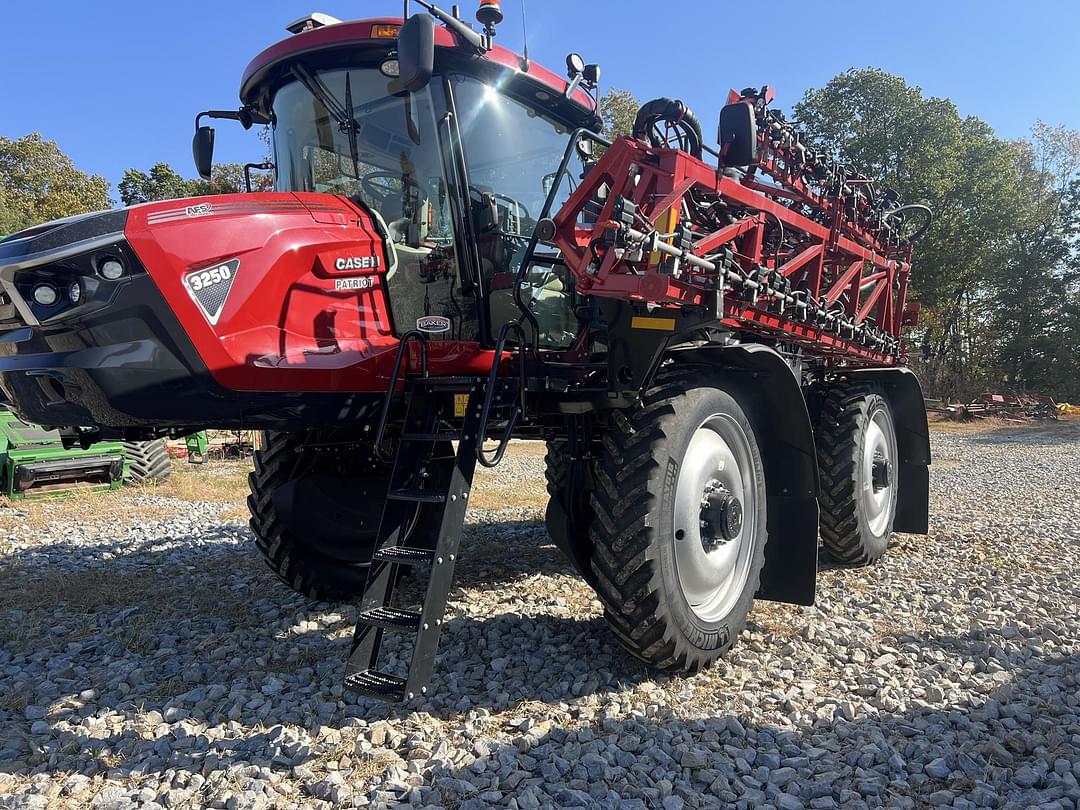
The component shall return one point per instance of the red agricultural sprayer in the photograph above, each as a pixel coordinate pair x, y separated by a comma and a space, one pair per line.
708, 338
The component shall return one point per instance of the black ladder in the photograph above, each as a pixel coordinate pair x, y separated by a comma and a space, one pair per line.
433, 403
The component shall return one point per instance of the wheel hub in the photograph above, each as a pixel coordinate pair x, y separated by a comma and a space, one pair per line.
716, 504
876, 478
881, 473
721, 516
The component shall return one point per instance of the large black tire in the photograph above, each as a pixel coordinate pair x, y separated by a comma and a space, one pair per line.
147, 462
639, 536
856, 516
315, 514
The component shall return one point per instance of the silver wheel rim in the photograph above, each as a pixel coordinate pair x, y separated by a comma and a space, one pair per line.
713, 566
877, 472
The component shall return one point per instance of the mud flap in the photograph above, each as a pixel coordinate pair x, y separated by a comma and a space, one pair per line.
901, 388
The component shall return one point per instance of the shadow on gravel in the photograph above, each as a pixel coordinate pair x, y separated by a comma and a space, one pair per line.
1017, 748
195, 630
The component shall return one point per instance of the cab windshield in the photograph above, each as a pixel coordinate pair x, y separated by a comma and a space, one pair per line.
512, 153
342, 132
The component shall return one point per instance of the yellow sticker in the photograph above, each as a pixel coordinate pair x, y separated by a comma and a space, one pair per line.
658, 324
461, 405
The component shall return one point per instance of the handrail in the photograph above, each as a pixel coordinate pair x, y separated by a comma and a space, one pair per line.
391, 389
530, 251
489, 396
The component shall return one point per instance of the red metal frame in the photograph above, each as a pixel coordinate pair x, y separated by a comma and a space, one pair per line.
845, 262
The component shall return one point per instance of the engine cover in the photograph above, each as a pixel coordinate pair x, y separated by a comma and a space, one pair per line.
258, 310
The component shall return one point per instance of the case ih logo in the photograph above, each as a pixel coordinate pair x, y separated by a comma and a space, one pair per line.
357, 263
433, 324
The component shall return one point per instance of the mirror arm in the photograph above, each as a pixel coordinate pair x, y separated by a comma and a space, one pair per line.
247, 116
477, 41
573, 86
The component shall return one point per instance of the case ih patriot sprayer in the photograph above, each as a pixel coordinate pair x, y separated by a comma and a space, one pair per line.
708, 339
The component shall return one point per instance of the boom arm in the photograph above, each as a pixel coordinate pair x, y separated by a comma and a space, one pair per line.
795, 245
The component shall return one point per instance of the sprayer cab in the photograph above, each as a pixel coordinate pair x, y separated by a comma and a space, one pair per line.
411, 160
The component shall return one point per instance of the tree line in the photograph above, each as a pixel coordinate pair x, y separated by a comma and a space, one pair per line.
998, 275
38, 183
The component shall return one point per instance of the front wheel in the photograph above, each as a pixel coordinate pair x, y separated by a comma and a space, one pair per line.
316, 501
679, 536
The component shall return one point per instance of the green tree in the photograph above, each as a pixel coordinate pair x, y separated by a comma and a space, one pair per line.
618, 108
163, 182
929, 153
39, 183
1035, 287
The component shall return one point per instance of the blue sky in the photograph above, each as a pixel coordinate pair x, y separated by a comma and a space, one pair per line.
117, 82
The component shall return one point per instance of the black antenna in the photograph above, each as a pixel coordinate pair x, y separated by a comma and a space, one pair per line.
525, 39
405, 16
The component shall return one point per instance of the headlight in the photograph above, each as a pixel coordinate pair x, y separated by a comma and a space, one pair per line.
111, 269
45, 295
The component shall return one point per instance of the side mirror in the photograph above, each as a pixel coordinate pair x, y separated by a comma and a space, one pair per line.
416, 52
202, 149
737, 135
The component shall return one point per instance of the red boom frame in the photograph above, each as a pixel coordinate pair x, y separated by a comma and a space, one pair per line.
834, 283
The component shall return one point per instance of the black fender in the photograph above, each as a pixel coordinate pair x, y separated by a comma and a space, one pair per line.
771, 395
902, 391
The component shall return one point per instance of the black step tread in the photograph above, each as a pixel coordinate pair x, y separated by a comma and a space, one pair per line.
390, 618
404, 555
418, 495
378, 685
437, 382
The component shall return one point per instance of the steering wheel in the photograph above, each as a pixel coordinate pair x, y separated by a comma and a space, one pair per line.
384, 194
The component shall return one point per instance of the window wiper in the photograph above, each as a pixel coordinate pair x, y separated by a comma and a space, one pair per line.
352, 126
345, 116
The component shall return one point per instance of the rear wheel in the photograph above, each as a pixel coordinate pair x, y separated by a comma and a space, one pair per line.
857, 457
315, 503
679, 536
147, 462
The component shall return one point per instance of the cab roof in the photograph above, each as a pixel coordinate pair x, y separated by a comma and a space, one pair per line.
359, 33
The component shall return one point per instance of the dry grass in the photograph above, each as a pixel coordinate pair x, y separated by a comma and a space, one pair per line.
215, 482
1063, 425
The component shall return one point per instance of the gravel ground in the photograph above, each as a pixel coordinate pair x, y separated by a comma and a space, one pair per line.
150, 659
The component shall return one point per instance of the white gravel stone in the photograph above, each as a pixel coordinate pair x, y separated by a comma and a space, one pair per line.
164, 666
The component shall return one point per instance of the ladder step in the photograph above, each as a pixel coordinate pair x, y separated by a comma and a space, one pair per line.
448, 436
378, 685
404, 555
390, 618
418, 495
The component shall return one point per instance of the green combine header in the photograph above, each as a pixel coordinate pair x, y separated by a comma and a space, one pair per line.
36, 462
